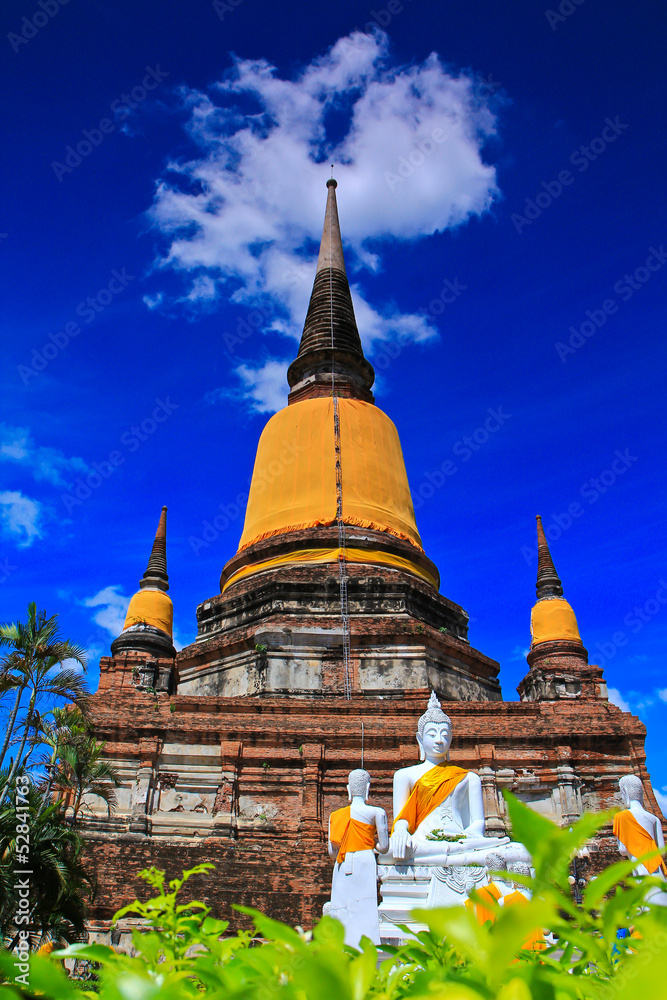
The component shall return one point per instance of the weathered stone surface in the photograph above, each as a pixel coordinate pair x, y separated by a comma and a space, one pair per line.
255, 778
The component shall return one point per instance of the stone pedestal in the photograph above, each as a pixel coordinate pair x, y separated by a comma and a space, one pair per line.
405, 888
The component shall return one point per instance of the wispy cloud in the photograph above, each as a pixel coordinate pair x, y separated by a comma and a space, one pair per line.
616, 698
242, 217
44, 464
21, 518
112, 607
662, 799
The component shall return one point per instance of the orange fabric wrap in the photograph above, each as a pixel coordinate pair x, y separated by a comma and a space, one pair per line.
294, 480
349, 833
352, 555
428, 792
536, 940
151, 607
553, 619
488, 894
637, 840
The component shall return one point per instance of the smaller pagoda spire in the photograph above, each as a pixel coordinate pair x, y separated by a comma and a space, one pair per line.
148, 627
156, 576
548, 582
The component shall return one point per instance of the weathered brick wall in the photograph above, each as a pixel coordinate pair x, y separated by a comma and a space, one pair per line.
282, 765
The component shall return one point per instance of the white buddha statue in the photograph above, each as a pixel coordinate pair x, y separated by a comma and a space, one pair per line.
355, 833
438, 807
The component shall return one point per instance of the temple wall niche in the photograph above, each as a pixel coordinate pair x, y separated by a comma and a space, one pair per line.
187, 778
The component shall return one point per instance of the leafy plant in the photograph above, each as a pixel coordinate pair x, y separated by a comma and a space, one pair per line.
33, 666
182, 952
52, 868
442, 837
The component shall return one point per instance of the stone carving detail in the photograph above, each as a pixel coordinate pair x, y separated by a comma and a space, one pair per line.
451, 886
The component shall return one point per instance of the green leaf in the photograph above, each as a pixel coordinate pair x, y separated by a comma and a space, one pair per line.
598, 887
93, 952
272, 930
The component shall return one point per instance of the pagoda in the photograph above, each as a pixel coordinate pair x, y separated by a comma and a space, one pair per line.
328, 624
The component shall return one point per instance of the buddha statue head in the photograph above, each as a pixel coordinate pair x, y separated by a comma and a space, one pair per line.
434, 732
519, 868
358, 783
631, 789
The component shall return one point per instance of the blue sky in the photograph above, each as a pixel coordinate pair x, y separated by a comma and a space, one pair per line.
501, 195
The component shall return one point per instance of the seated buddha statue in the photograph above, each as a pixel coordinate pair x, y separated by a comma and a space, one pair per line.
438, 807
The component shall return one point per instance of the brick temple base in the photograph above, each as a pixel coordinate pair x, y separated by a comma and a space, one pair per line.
248, 783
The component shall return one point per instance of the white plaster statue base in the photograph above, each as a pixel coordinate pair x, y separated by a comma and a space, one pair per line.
354, 897
404, 888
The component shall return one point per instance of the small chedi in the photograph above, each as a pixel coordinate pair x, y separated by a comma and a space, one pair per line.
638, 833
354, 833
438, 850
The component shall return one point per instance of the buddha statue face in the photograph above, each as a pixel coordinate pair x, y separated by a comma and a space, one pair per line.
434, 740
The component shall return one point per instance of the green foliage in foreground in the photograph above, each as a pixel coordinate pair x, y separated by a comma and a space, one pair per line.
183, 952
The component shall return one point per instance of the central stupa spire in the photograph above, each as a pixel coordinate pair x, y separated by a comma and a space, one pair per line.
330, 358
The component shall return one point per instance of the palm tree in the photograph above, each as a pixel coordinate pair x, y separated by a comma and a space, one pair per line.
83, 771
67, 726
35, 664
59, 884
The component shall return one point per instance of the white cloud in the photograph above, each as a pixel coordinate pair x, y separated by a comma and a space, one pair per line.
243, 219
662, 694
153, 301
112, 609
662, 799
44, 464
265, 386
20, 518
616, 698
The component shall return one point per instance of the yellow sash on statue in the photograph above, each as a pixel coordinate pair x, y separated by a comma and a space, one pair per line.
349, 833
429, 791
484, 896
637, 840
536, 940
